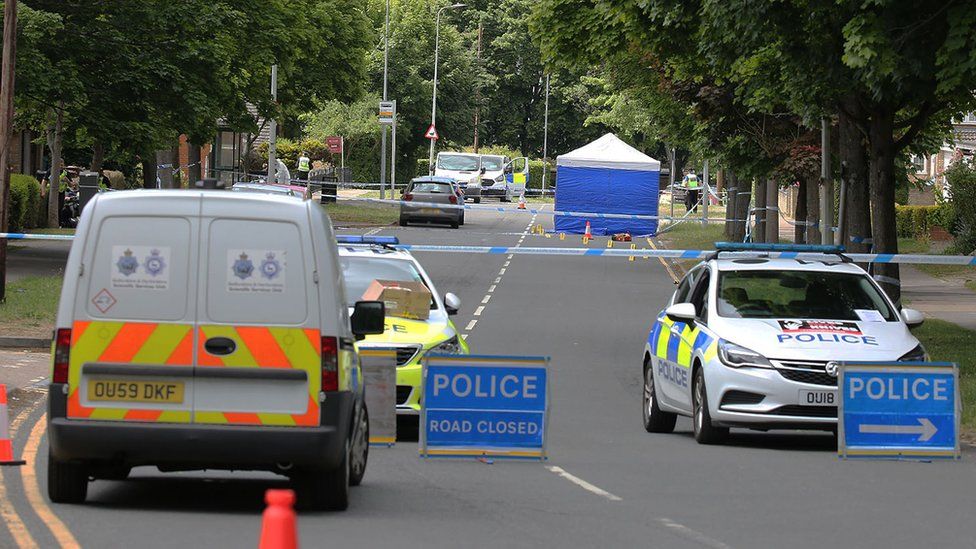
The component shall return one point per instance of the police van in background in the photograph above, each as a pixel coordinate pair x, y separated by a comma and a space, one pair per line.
207, 330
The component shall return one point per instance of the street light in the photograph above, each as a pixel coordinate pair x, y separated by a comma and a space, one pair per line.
433, 106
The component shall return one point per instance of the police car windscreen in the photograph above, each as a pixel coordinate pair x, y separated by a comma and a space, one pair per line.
457, 162
492, 164
799, 294
359, 272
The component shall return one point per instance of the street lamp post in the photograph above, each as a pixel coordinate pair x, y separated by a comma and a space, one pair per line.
386, 57
433, 105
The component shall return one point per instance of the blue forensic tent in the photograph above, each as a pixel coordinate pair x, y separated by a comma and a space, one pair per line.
607, 176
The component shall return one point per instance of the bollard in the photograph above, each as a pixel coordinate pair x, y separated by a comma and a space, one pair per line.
6, 446
278, 524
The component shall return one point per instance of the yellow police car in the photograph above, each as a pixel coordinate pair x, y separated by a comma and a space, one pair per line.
367, 258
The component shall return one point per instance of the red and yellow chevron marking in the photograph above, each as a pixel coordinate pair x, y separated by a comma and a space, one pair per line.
127, 342
265, 347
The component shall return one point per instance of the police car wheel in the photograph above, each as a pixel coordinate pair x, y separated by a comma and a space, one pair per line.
705, 432
67, 482
360, 447
655, 420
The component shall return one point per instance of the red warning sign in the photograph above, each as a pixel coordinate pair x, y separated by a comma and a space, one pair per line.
432, 133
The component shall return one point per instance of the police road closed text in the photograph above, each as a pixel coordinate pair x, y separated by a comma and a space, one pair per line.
484, 406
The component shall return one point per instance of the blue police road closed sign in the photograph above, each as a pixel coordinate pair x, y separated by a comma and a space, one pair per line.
899, 410
485, 406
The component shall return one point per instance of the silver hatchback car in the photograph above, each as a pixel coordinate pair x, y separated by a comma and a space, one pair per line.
422, 199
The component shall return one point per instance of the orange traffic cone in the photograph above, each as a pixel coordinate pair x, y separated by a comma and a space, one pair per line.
588, 234
521, 205
6, 447
278, 525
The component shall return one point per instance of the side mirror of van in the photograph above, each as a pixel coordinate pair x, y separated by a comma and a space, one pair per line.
452, 303
367, 318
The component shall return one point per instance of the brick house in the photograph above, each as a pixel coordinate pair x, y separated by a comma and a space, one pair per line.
931, 168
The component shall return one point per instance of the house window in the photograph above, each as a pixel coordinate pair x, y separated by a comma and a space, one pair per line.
969, 118
920, 163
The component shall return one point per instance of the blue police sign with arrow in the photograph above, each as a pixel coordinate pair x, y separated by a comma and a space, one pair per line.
899, 410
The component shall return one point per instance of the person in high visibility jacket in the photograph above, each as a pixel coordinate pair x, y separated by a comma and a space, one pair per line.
691, 185
304, 166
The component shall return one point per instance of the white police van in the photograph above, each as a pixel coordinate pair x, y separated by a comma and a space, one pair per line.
753, 340
207, 329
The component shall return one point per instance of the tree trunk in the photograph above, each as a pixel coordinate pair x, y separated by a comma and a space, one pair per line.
54, 179
193, 160
854, 169
800, 213
741, 212
98, 157
148, 168
881, 177
813, 211
759, 231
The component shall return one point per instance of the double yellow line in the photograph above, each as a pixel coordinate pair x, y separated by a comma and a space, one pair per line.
32, 489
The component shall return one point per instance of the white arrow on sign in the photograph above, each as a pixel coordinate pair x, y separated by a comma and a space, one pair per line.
925, 429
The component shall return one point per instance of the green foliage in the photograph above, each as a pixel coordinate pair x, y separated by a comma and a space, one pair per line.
25, 202
918, 221
961, 177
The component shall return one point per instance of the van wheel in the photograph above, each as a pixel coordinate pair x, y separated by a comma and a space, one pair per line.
455, 224
655, 420
705, 432
67, 482
403, 222
326, 490
360, 447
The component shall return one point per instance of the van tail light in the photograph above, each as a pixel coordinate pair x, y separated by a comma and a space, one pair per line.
330, 363
453, 199
62, 355
408, 196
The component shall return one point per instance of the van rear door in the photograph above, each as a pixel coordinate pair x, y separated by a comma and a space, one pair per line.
258, 344
132, 330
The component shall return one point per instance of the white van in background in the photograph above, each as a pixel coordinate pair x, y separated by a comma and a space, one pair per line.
465, 168
503, 177
207, 329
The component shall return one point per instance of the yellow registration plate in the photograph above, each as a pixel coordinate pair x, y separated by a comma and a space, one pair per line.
122, 390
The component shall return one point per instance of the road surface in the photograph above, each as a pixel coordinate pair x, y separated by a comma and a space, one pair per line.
607, 484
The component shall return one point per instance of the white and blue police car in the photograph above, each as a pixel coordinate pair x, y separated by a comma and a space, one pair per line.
754, 335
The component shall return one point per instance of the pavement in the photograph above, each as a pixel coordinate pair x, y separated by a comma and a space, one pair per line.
948, 300
607, 483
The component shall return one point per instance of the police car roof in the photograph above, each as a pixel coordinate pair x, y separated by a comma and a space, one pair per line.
828, 263
372, 250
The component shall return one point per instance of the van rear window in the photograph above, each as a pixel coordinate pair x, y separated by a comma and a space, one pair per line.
256, 273
139, 269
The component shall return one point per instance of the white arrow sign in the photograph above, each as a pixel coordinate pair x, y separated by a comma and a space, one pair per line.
925, 429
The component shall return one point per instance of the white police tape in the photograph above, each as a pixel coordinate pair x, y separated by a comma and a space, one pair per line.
915, 259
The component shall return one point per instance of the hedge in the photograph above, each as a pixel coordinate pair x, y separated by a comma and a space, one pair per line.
917, 221
535, 173
25, 200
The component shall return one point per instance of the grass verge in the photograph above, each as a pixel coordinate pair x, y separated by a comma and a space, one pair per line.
692, 236
30, 307
948, 342
349, 211
52, 231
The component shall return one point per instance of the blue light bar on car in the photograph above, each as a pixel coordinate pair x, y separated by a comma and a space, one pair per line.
359, 239
762, 247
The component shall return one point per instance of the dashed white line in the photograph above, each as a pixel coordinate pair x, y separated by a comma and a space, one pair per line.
485, 300
583, 484
470, 325
507, 263
501, 272
510, 256
373, 231
497, 280
693, 535
477, 312
492, 288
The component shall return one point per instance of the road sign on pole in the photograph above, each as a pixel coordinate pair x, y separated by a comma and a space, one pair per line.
432, 133
899, 410
484, 406
387, 112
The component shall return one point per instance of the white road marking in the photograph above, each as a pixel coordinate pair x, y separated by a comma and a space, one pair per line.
501, 272
492, 288
470, 325
373, 231
693, 535
583, 484
485, 300
507, 263
497, 280
510, 256
477, 312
